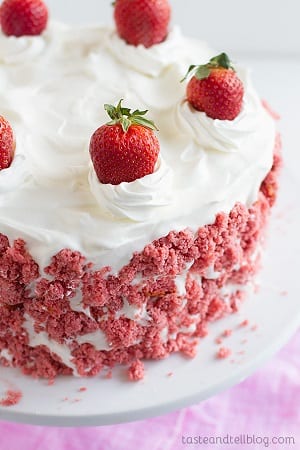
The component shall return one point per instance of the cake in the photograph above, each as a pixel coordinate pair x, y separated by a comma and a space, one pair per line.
93, 274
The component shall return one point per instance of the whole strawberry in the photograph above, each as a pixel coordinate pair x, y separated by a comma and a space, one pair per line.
126, 148
142, 22
7, 145
216, 89
23, 17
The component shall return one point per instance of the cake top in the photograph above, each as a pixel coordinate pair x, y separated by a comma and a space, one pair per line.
54, 86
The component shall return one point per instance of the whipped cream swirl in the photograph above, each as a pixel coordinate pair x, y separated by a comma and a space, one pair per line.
14, 50
137, 200
14, 176
223, 135
149, 61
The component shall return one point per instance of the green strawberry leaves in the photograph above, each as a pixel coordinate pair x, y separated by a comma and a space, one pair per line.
203, 71
221, 60
126, 118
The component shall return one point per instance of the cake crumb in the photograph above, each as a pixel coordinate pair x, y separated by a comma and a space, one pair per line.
254, 327
170, 374
227, 333
108, 376
245, 323
283, 293
11, 398
218, 341
136, 371
82, 389
223, 353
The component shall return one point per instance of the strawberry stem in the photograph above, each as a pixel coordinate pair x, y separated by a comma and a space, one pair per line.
126, 118
204, 70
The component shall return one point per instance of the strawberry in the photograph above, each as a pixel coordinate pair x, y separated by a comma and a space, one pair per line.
142, 22
7, 145
23, 17
216, 89
126, 148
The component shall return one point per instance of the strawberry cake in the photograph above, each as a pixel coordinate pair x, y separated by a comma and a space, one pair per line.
133, 206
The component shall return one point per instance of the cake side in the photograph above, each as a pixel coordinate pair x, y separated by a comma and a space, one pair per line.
78, 319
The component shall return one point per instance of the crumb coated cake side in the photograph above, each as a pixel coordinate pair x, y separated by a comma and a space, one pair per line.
75, 319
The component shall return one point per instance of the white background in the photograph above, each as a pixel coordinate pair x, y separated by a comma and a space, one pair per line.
232, 25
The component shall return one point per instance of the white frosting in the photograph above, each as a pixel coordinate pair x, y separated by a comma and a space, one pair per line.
54, 102
139, 200
180, 280
5, 353
77, 305
14, 50
147, 61
41, 338
16, 174
132, 312
211, 274
97, 339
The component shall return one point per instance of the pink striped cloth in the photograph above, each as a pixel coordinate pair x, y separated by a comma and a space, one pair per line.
265, 406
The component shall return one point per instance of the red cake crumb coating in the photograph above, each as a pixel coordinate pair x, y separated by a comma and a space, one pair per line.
136, 371
174, 318
11, 398
223, 353
108, 376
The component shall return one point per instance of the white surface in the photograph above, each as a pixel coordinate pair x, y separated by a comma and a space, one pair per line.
256, 25
118, 400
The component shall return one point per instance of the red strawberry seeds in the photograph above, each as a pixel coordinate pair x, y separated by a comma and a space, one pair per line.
7, 145
126, 148
23, 17
142, 22
216, 89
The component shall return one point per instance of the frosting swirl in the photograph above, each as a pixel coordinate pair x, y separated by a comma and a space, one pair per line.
15, 175
14, 50
223, 135
149, 61
138, 200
